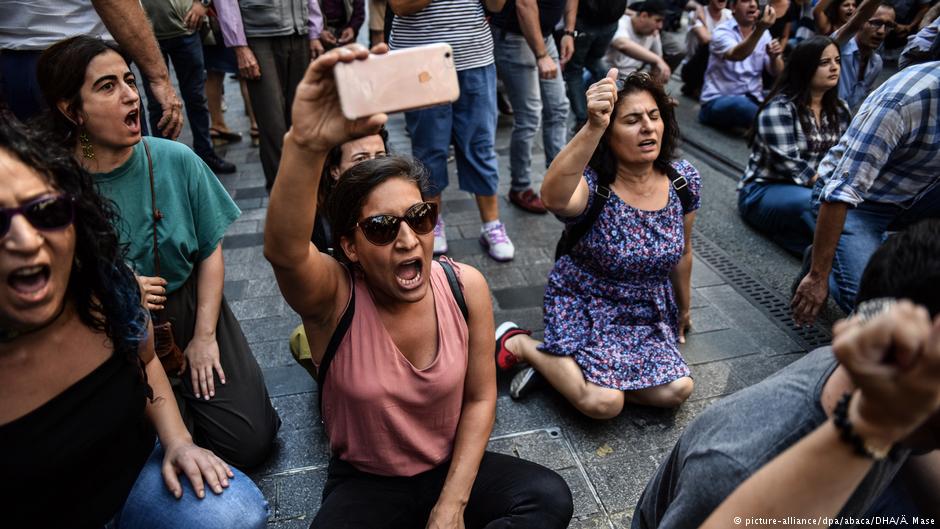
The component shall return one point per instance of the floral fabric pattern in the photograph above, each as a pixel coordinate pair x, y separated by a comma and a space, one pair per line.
609, 303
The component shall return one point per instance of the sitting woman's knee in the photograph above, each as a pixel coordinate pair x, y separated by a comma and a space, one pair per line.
602, 404
677, 392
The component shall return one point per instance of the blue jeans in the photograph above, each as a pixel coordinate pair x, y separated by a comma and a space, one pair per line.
470, 123
781, 211
727, 112
532, 99
186, 54
866, 227
18, 84
589, 49
151, 506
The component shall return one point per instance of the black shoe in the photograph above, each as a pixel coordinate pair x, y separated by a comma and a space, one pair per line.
523, 382
804, 269
218, 165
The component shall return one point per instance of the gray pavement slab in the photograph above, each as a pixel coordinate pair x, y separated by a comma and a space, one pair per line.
733, 344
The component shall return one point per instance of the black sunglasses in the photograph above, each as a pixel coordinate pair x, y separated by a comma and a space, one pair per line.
50, 212
383, 229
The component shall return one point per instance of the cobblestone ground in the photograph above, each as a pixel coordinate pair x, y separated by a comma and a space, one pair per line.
741, 334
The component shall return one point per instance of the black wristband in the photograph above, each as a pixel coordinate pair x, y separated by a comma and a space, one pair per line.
840, 416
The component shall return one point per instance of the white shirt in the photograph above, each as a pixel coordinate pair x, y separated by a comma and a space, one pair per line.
623, 62
38, 24
691, 38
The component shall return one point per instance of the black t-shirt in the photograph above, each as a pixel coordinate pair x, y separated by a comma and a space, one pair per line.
601, 12
72, 461
550, 12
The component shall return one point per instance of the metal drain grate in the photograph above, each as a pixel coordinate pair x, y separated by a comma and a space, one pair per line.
767, 300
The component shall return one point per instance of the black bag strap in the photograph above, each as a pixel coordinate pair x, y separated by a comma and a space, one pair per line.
346, 320
574, 233
455, 288
681, 185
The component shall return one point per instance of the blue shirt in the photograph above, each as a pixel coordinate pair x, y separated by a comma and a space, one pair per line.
890, 153
734, 78
853, 90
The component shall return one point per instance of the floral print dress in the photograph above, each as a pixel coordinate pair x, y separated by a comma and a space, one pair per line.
609, 303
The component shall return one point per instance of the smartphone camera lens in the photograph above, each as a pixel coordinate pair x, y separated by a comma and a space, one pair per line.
447, 55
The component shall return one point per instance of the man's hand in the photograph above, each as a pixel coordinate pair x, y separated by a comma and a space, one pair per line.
809, 298
318, 123
202, 354
770, 16
152, 292
171, 122
662, 72
894, 359
248, 67
316, 48
327, 37
601, 97
194, 16
346, 36
548, 68
774, 49
567, 49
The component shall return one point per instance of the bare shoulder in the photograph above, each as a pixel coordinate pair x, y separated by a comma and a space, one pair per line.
475, 287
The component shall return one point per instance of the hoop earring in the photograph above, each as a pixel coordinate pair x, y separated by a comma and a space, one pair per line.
88, 151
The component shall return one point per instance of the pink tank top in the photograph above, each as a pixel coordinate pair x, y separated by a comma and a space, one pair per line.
383, 415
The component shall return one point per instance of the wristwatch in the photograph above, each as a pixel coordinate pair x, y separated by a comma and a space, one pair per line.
572, 34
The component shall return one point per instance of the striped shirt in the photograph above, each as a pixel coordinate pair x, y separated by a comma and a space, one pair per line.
890, 153
460, 23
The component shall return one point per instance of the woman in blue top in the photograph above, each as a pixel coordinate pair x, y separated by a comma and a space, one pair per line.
617, 305
169, 199
795, 127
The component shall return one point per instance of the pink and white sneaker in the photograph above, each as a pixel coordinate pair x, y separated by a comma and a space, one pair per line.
497, 243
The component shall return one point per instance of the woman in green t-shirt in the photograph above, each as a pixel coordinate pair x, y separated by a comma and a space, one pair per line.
173, 214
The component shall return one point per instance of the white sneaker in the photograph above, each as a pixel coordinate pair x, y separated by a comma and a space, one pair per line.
440, 238
497, 243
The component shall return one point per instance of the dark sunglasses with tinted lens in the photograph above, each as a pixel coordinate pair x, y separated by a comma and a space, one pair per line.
47, 213
383, 229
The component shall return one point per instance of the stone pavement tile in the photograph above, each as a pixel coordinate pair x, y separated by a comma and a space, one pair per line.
251, 192
240, 255
266, 329
600, 521
299, 448
719, 345
247, 203
252, 269
235, 290
295, 497
535, 412
749, 319
708, 319
703, 275
697, 301
297, 411
299, 523
288, 380
273, 353
752, 369
519, 297
242, 226
262, 288
259, 307
714, 379
243, 240
585, 503
620, 480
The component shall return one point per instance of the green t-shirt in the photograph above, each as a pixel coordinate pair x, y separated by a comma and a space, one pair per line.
196, 209
166, 17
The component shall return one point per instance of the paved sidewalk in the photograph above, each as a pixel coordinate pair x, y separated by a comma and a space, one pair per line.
734, 343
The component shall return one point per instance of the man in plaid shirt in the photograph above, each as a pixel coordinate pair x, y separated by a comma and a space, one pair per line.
882, 176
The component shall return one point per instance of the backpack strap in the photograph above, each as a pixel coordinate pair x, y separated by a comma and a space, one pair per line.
681, 185
455, 288
338, 334
574, 233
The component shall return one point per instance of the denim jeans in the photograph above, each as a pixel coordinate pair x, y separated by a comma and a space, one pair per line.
532, 98
470, 123
151, 506
186, 54
589, 49
726, 112
866, 227
781, 211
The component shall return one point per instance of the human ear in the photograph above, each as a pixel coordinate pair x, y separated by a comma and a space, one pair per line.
348, 246
66, 109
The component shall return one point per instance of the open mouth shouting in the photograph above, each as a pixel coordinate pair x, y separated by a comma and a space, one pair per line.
29, 283
409, 273
132, 121
648, 145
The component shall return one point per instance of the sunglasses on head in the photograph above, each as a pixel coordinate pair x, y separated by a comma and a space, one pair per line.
383, 229
47, 213
632, 77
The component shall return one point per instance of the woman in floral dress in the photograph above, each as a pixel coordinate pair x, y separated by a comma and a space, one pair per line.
617, 305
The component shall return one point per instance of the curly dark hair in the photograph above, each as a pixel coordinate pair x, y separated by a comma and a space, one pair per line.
101, 286
61, 74
603, 160
353, 188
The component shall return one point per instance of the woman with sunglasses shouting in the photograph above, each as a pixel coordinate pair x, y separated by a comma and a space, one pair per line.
81, 391
408, 388
617, 301
173, 212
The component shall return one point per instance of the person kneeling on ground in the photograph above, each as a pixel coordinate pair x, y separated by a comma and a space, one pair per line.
736, 436
81, 391
802, 118
403, 344
617, 304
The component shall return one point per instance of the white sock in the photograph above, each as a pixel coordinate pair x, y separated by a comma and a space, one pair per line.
491, 224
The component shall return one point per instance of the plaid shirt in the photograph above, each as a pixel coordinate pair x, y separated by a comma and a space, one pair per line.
783, 151
891, 152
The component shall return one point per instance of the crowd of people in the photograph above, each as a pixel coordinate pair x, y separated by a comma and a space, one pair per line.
111, 249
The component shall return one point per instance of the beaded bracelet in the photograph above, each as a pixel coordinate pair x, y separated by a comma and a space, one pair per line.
840, 416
